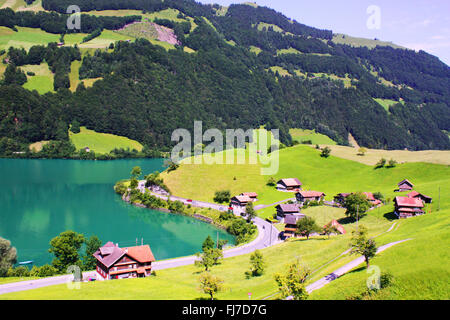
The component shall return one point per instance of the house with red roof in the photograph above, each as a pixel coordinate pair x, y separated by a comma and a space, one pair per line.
406, 207
306, 196
418, 195
114, 262
340, 198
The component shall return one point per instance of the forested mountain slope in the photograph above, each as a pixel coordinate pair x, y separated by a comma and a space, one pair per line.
230, 79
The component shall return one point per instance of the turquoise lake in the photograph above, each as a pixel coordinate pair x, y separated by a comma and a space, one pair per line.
41, 198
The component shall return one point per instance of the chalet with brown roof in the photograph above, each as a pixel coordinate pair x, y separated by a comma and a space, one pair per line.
405, 185
340, 198
291, 224
406, 207
240, 201
252, 195
114, 262
417, 195
306, 196
290, 184
286, 209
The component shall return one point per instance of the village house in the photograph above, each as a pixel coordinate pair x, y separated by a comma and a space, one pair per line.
406, 207
417, 195
252, 195
291, 184
307, 196
340, 198
405, 185
240, 201
114, 262
286, 209
291, 224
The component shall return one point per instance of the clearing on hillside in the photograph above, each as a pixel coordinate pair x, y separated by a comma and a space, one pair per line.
102, 142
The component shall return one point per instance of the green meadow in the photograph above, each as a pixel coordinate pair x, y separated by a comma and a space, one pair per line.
102, 142
418, 266
301, 135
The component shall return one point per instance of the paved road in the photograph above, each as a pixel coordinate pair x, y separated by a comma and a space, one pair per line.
346, 268
267, 236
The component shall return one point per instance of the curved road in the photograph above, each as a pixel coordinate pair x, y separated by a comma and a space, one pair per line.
267, 236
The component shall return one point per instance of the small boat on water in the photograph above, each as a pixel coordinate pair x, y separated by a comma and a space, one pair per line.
25, 262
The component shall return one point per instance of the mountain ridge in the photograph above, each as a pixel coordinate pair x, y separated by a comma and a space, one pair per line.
326, 86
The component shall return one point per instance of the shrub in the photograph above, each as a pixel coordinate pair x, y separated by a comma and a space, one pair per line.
325, 152
223, 196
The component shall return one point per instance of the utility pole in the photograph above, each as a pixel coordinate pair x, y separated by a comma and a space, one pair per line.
357, 217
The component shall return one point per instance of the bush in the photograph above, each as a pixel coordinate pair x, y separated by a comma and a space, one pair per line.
20, 271
325, 152
223, 196
44, 271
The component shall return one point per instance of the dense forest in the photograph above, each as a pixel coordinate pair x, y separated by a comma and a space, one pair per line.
147, 92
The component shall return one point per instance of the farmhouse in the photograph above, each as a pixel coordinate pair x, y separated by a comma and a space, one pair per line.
340, 198
306, 196
405, 185
240, 201
406, 207
114, 262
417, 195
291, 224
371, 198
286, 209
252, 195
291, 184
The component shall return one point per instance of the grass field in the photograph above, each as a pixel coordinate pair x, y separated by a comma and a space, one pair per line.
413, 279
102, 142
25, 37
372, 156
362, 42
305, 135
42, 81
386, 103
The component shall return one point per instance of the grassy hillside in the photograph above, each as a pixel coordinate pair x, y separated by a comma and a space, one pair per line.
102, 142
372, 156
301, 135
413, 279
362, 42
332, 176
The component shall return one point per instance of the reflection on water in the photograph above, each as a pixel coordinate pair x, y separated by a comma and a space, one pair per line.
41, 198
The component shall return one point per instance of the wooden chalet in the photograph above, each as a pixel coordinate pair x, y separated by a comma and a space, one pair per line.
240, 201
340, 198
252, 195
406, 207
306, 196
114, 262
286, 209
405, 185
291, 224
291, 184
417, 195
